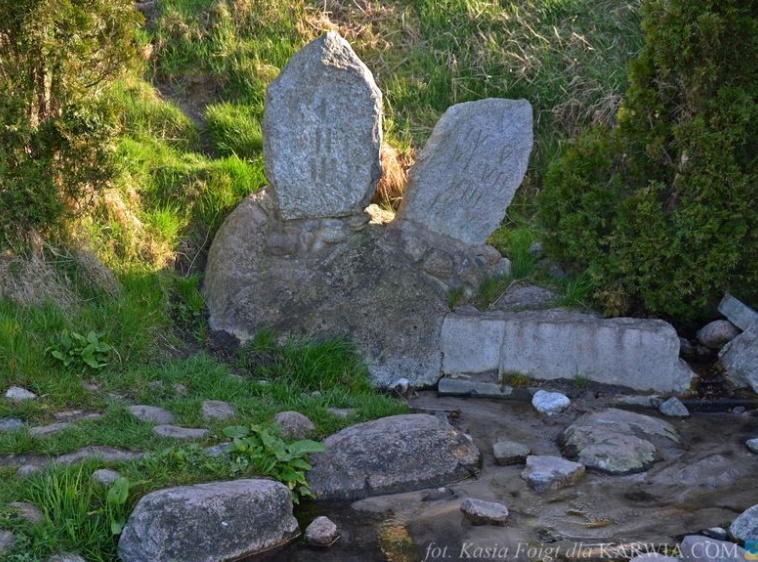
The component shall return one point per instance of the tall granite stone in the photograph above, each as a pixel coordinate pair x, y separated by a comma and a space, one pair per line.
469, 170
322, 132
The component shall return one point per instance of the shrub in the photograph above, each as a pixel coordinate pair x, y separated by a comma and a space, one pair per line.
663, 209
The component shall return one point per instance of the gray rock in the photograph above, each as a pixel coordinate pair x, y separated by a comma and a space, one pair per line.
321, 532
545, 473
294, 425
18, 394
745, 527
10, 424
462, 385
618, 441
468, 171
65, 558
27, 470
717, 533
525, 297
740, 358
76, 415
105, 476
44, 431
7, 541
151, 414
219, 449
641, 354
716, 334
480, 512
550, 403
636, 401
752, 445
175, 432
737, 313
98, 452
391, 455
509, 452
342, 412
89, 386
674, 408
217, 410
322, 132
28, 511
209, 522
654, 557
695, 548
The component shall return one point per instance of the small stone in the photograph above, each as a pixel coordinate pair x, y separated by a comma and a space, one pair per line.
151, 414
217, 410
716, 533
108, 454
551, 473
7, 541
480, 512
18, 394
105, 476
294, 425
219, 449
674, 408
550, 403
695, 548
66, 558
752, 445
71, 415
28, 511
745, 527
90, 386
27, 470
46, 430
341, 412
321, 532
509, 452
718, 333
174, 432
180, 389
10, 424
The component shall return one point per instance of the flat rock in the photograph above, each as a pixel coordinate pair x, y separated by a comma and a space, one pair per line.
550, 403
545, 473
44, 431
18, 394
674, 408
696, 548
752, 445
209, 522
321, 532
391, 455
105, 476
740, 358
737, 312
745, 527
217, 410
294, 425
28, 511
176, 432
65, 558
509, 452
151, 414
716, 334
98, 452
475, 387
617, 441
10, 424
322, 132
76, 415
480, 512
525, 297
467, 173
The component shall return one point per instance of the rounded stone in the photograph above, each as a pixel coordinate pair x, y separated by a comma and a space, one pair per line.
752, 445
28, 511
18, 394
509, 452
321, 532
294, 425
718, 333
745, 527
550, 403
217, 410
105, 476
480, 512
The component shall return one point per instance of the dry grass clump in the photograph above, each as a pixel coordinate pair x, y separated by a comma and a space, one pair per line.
391, 186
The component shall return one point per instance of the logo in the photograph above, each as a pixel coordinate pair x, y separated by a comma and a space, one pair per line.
751, 550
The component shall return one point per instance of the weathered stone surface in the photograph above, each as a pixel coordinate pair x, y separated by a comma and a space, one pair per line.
462, 385
151, 414
28, 511
217, 410
76, 415
551, 473
654, 557
550, 403
737, 312
322, 132
176, 432
44, 431
509, 452
390, 455
696, 548
98, 452
18, 394
674, 408
294, 425
342, 412
752, 445
466, 175
716, 334
371, 286
641, 354
321, 532
209, 522
480, 512
525, 297
65, 558
7, 540
740, 358
745, 527
105, 476
10, 424
619, 442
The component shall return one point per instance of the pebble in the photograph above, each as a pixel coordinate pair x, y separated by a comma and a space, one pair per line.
18, 394
550, 403
217, 410
175, 432
509, 452
321, 532
105, 476
480, 512
674, 408
752, 445
151, 414
90, 386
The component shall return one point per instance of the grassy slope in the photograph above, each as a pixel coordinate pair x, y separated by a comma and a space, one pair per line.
183, 170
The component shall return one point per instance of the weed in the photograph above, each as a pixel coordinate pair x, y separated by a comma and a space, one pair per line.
580, 381
80, 352
516, 379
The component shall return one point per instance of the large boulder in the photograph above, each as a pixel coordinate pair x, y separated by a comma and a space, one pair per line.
213, 522
745, 527
322, 131
391, 455
619, 442
740, 358
551, 344
469, 170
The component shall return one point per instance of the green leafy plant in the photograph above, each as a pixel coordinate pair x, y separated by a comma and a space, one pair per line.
76, 350
261, 449
115, 502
